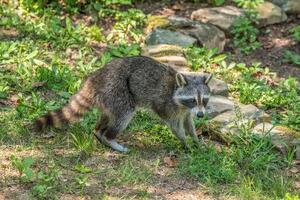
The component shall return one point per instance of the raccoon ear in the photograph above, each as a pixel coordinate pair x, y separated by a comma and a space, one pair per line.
180, 80
208, 78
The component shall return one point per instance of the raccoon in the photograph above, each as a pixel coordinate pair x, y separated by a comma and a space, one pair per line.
123, 85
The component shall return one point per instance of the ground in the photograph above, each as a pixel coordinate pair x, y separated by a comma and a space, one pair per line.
42, 63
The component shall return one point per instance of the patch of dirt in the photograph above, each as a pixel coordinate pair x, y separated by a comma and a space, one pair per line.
273, 45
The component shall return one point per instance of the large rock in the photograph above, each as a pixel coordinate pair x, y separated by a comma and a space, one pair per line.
283, 138
289, 6
163, 36
228, 122
218, 87
248, 112
269, 13
223, 17
218, 105
206, 34
188, 32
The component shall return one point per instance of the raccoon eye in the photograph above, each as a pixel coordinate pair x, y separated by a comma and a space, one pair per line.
205, 102
189, 102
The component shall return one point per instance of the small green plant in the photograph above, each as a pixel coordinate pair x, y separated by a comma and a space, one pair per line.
84, 142
24, 167
95, 33
82, 169
203, 58
4, 88
126, 27
248, 4
245, 35
218, 2
289, 196
82, 182
46, 183
124, 50
292, 57
296, 33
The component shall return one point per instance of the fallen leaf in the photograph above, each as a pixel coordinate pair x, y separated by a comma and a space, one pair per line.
257, 74
296, 162
38, 84
294, 170
171, 161
297, 184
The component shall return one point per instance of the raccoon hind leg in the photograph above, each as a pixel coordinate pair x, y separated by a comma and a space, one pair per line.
108, 128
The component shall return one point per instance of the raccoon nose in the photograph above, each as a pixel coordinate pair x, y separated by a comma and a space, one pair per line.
200, 114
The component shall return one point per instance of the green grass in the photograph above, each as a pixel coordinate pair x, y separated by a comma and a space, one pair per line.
44, 62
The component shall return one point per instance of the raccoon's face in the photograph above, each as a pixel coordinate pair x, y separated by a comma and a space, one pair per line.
193, 92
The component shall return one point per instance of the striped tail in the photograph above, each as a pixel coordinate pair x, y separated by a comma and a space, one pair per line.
71, 112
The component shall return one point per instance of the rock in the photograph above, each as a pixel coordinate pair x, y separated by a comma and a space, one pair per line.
206, 34
163, 36
289, 6
279, 3
218, 87
283, 138
269, 13
162, 50
187, 32
181, 22
248, 112
172, 60
292, 7
222, 17
218, 105
228, 122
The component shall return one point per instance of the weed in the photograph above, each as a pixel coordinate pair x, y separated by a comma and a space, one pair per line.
24, 167
296, 33
202, 57
248, 4
291, 57
82, 169
245, 35
46, 183
82, 182
84, 142
218, 2
126, 29
124, 50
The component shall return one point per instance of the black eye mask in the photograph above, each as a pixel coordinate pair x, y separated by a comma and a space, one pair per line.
205, 101
190, 103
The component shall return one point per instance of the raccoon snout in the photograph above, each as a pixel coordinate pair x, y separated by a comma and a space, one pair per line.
200, 114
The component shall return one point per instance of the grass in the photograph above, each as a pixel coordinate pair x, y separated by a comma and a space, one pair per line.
43, 59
